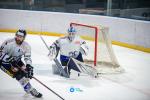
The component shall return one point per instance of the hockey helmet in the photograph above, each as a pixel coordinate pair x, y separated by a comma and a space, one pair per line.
71, 33
71, 30
21, 32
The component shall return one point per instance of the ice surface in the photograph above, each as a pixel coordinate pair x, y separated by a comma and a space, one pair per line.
131, 85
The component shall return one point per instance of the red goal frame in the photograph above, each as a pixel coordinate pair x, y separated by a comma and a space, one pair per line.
95, 40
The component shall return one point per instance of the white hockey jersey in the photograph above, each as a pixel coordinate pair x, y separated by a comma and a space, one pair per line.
70, 48
10, 48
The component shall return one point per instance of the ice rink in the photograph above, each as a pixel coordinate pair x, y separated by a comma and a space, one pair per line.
133, 84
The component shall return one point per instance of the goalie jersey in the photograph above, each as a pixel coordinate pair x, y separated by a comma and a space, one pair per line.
10, 48
69, 48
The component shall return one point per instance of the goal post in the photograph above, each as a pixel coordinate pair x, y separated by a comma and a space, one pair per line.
81, 29
101, 54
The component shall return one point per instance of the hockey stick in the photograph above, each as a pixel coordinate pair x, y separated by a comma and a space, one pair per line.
42, 83
48, 88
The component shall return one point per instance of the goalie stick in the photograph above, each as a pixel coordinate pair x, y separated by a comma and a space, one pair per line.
44, 42
55, 62
61, 70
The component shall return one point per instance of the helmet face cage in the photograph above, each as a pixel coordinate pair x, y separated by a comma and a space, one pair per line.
71, 30
71, 33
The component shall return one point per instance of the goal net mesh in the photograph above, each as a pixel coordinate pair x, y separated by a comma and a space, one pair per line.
101, 54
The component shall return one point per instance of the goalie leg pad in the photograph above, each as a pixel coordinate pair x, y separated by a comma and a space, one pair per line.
55, 69
82, 67
60, 68
80, 58
72, 65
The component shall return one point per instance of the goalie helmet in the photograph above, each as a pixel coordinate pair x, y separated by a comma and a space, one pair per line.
71, 33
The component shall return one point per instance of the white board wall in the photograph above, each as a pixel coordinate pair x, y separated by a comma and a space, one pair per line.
124, 30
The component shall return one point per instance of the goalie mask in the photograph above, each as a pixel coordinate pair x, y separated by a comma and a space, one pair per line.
71, 33
20, 36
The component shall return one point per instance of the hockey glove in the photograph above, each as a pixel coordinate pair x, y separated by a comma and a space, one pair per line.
84, 49
29, 71
13, 62
52, 52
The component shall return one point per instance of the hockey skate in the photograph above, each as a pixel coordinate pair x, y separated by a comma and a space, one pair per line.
35, 93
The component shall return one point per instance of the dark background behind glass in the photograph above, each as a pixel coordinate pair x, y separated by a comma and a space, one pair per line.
133, 9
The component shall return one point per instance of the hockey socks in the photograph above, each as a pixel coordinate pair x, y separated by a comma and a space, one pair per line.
28, 88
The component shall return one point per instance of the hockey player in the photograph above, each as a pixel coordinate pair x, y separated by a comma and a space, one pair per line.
70, 47
11, 52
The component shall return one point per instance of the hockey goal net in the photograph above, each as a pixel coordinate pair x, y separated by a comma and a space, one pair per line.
101, 54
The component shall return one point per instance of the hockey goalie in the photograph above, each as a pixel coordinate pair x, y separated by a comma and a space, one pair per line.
71, 49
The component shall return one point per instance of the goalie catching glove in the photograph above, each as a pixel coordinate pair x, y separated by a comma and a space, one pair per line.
84, 48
